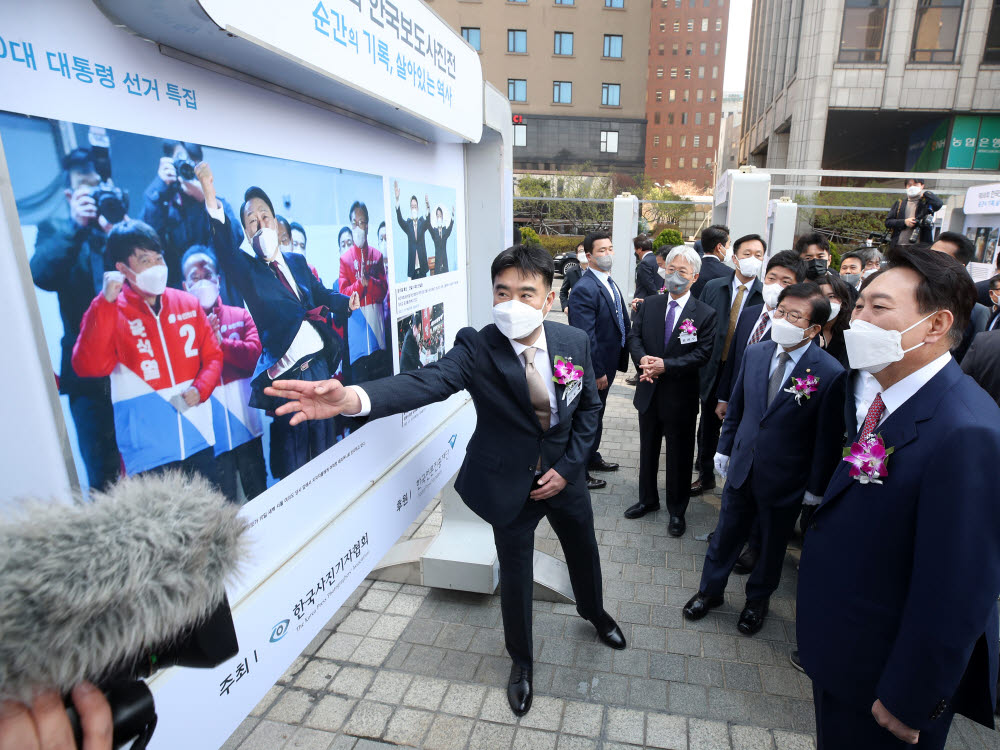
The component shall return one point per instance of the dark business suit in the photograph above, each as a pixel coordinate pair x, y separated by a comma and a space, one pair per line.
898, 581
669, 407
982, 362
569, 279
596, 311
798, 445
647, 276
745, 327
499, 466
711, 268
440, 237
409, 358
978, 322
718, 294
983, 292
416, 248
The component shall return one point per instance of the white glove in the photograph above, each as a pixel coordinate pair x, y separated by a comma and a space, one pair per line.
721, 465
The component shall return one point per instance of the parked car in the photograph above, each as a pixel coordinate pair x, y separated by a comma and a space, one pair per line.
565, 261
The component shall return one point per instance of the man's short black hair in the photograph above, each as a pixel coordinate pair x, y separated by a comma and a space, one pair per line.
944, 284
748, 238
128, 236
193, 150
642, 242
995, 282
254, 192
530, 260
788, 259
198, 250
358, 206
966, 248
819, 305
298, 228
285, 224
341, 233
592, 237
381, 226
79, 160
859, 255
416, 320
412, 198
921, 180
713, 236
813, 238
665, 250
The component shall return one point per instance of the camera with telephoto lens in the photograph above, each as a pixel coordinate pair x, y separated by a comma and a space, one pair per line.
111, 201
184, 169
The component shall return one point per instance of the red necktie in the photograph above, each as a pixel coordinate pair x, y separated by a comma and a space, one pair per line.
875, 412
281, 277
758, 333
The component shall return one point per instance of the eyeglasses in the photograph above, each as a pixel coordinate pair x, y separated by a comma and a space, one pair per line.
791, 317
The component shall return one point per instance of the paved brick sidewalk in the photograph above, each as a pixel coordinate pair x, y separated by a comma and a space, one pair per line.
407, 665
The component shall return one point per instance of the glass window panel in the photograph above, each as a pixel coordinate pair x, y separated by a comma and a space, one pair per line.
563, 43
562, 92
863, 31
517, 41
473, 36
520, 135
517, 89
936, 31
612, 45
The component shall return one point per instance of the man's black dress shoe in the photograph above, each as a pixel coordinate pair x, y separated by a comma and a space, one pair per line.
519, 689
593, 483
746, 561
676, 526
609, 632
639, 510
699, 605
601, 465
752, 617
698, 486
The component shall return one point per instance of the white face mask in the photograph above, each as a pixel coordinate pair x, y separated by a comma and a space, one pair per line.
515, 319
770, 293
581, 258
153, 280
728, 258
662, 272
604, 262
265, 243
786, 334
872, 349
206, 291
359, 236
834, 311
869, 272
414, 213
914, 191
749, 267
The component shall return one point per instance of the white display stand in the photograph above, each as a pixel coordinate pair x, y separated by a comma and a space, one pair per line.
625, 226
741, 199
781, 217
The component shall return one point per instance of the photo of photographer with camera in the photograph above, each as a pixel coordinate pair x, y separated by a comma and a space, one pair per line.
910, 219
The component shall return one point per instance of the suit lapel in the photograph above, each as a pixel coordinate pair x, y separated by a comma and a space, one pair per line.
805, 362
512, 370
658, 324
557, 348
686, 312
269, 271
606, 293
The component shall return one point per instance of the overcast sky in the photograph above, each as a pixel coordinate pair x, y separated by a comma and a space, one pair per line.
736, 45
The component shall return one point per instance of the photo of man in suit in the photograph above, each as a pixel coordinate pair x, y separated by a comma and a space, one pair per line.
440, 234
670, 341
415, 227
900, 634
294, 314
763, 414
599, 309
527, 457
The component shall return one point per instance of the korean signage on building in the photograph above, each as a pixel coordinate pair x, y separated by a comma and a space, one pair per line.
974, 143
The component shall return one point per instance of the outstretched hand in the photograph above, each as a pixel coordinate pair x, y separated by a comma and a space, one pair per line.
313, 399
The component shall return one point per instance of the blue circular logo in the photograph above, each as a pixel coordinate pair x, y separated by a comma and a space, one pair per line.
279, 630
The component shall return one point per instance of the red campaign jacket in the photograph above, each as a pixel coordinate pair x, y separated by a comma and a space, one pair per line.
370, 260
240, 342
234, 420
152, 359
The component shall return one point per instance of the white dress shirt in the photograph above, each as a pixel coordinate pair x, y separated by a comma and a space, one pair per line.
307, 341
681, 302
899, 393
543, 365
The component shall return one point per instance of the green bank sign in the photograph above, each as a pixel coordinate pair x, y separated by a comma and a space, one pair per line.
974, 143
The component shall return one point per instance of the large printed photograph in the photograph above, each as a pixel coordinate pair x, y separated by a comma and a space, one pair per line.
175, 281
424, 240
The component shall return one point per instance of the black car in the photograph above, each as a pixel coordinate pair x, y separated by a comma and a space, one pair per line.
566, 261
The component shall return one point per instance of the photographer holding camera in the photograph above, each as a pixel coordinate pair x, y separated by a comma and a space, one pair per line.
174, 206
910, 219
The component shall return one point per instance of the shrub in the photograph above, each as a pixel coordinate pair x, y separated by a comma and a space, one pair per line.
557, 244
668, 237
529, 237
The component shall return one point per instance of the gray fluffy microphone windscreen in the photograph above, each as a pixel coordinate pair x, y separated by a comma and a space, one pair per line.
85, 588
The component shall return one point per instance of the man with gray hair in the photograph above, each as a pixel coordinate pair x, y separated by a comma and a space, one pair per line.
671, 339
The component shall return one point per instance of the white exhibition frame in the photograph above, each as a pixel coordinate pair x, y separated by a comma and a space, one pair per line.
336, 505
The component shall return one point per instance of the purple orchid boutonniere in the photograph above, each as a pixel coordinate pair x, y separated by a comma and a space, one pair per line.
803, 388
567, 374
688, 327
868, 460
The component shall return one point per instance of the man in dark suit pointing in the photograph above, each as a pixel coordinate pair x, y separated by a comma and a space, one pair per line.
897, 602
536, 404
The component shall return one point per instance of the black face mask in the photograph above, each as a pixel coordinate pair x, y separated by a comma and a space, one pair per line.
815, 268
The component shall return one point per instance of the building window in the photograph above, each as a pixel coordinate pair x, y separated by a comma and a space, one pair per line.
936, 31
609, 141
670, 118
656, 118
673, 72
656, 162
565, 2
517, 89
684, 118
614, 3
666, 163
517, 41
659, 71
711, 118
685, 97
517, 1
680, 163
659, 96
687, 73
715, 72
562, 92
697, 118
659, 50
701, 71
677, 25
694, 162
699, 95
712, 95
656, 140
472, 35
563, 43
671, 95
992, 54
611, 94
673, 49
663, 25
520, 135
703, 48
687, 49
718, 24
863, 31
704, 24
612, 45
690, 24
711, 141
684, 141
716, 48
